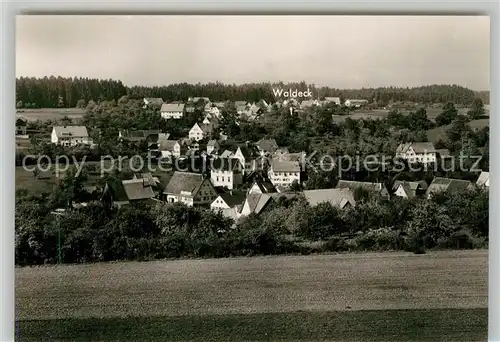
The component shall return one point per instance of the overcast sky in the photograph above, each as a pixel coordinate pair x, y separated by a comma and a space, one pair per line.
338, 51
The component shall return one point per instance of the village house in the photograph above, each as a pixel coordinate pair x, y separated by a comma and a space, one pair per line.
262, 187
192, 189
421, 152
172, 111
246, 154
172, 148
335, 100
355, 103
70, 135
200, 131
212, 147
375, 188
483, 179
151, 137
153, 102
226, 173
282, 173
409, 190
213, 111
211, 120
267, 146
257, 204
340, 198
229, 204
128, 191
440, 184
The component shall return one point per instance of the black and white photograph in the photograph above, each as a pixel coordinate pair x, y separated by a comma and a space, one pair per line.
252, 177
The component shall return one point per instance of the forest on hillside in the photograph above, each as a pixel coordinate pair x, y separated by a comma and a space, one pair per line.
59, 92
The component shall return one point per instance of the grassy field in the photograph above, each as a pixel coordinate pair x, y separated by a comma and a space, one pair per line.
49, 113
439, 296
439, 133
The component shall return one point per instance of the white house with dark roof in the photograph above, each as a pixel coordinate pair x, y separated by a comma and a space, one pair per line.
409, 190
200, 131
226, 172
70, 135
282, 173
229, 204
422, 152
172, 148
172, 111
190, 188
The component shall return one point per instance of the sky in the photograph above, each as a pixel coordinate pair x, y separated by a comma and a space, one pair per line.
336, 51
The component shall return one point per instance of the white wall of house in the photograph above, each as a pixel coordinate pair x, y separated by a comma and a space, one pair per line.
219, 204
171, 115
196, 133
254, 189
69, 140
400, 192
228, 179
283, 178
412, 157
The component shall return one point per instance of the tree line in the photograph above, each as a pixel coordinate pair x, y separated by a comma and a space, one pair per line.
54, 92
140, 232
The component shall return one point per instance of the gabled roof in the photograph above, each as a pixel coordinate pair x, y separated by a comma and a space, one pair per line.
213, 143
248, 151
447, 184
172, 107
278, 165
71, 131
342, 184
139, 135
241, 108
184, 181
333, 99
420, 185
225, 164
226, 154
233, 199
418, 147
268, 145
423, 147
443, 153
483, 179
240, 103
337, 197
157, 101
265, 187
138, 189
257, 202
167, 145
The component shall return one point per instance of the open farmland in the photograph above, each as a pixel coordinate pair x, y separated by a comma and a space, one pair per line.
439, 296
44, 114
